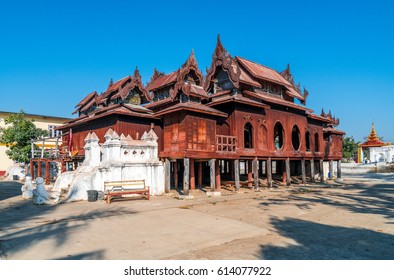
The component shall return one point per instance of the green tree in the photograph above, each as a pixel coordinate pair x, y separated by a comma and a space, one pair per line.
349, 148
17, 135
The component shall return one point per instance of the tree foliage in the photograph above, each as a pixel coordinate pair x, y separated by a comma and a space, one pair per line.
17, 135
349, 148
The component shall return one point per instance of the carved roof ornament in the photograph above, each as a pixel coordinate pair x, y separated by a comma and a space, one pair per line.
111, 82
137, 74
287, 74
156, 74
135, 82
222, 58
189, 66
290, 78
305, 95
323, 114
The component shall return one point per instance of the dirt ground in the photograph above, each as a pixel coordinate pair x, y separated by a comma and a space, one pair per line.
349, 220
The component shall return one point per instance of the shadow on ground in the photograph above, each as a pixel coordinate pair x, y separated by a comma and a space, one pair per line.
314, 241
9, 189
375, 199
22, 225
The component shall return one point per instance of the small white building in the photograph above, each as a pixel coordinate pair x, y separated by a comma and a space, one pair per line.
379, 151
381, 154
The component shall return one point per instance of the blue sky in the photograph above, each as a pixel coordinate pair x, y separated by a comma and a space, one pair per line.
53, 53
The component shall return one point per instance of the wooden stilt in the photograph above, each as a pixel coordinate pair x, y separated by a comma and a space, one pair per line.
339, 171
312, 171
39, 169
217, 175
236, 174
303, 173
269, 172
167, 179
212, 174
321, 171
256, 172
176, 174
32, 169
192, 176
186, 176
331, 170
250, 173
200, 174
288, 178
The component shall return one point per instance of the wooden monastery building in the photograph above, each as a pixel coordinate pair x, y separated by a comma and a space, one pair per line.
240, 123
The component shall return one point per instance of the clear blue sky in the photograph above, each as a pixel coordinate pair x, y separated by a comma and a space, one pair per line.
53, 53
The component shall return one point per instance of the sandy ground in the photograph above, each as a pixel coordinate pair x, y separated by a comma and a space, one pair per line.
351, 220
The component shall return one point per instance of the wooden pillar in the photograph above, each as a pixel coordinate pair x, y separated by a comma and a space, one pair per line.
288, 178
200, 174
236, 174
176, 174
32, 169
47, 177
339, 171
186, 176
256, 172
250, 173
39, 169
269, 172
321, 171
217, 175
303, 173
212, 174
192, 177
312, 171
331, 170
167, 174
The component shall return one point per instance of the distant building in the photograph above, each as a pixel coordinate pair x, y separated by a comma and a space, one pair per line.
379, 151
41, 121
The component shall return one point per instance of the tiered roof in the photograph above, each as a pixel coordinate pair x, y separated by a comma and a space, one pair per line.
253, 84
373, 139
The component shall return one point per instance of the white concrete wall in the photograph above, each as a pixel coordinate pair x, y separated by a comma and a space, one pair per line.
122, 159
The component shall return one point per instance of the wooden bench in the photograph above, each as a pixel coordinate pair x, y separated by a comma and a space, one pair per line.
122, 188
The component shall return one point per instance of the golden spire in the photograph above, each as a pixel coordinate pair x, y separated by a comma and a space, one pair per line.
372, 136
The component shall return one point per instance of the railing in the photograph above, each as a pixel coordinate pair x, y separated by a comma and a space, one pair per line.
226, 143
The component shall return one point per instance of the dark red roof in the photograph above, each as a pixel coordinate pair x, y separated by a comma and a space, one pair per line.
192, 106
265, 73
238, 99
162, 81
333, 131
276, 100
86, 99
117, 109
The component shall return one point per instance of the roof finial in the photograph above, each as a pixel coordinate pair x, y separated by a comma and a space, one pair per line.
137, 73
111, 82
218, 37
